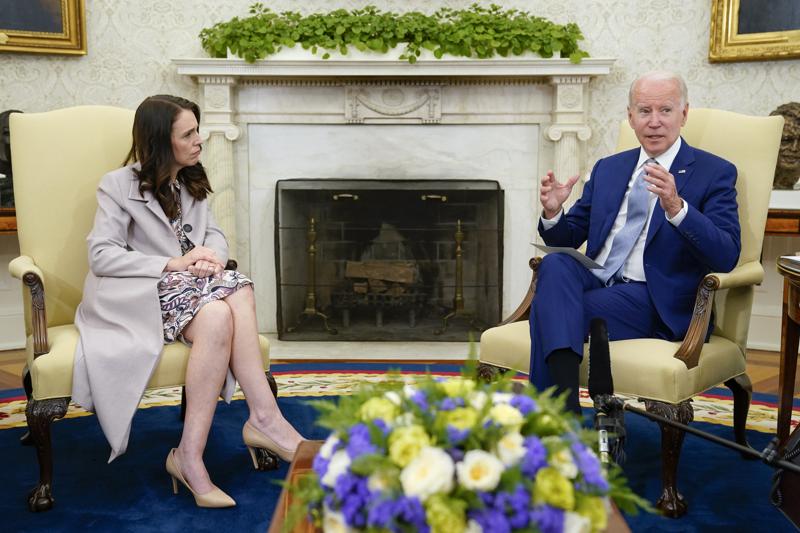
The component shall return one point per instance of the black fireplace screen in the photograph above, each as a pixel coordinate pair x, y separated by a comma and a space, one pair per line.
397, 260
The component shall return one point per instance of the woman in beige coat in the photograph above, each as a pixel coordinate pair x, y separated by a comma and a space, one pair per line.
157, 275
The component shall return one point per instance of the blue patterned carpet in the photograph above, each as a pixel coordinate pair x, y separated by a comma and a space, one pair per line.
134, 493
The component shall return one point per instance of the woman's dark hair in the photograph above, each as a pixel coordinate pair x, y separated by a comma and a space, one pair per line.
152, 148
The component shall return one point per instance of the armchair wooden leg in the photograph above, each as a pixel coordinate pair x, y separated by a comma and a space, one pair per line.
671, 502
489, 373
40, 414
183, 404
742, 390
26, 439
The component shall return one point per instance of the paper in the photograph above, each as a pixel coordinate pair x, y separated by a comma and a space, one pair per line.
795, 258
572, 252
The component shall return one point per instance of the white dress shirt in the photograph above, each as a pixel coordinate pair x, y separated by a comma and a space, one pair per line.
633, 269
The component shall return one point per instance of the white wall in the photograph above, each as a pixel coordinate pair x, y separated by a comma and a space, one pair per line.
131, 43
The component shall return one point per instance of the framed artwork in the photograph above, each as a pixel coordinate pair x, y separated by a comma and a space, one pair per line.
43, 26
749, 30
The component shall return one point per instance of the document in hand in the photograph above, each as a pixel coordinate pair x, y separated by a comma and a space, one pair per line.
572, 252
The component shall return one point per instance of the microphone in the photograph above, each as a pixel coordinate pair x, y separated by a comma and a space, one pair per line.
609, 418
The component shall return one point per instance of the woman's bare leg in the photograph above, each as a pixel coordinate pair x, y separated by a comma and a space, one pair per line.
248, 368
210, 333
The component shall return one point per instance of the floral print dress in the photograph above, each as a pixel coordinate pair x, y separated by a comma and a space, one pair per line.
182, 294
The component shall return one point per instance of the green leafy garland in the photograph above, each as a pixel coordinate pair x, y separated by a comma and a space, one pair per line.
477, 32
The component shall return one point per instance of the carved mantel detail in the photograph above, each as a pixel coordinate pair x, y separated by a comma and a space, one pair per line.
364, 102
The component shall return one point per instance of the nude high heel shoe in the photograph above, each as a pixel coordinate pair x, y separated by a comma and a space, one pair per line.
215, 498
253, 438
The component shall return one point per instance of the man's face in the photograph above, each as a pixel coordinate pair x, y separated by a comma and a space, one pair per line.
789, 157
656, 114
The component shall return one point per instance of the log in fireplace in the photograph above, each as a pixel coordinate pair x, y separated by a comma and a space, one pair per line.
388, 259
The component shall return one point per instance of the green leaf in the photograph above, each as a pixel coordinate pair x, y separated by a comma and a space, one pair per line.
475, 31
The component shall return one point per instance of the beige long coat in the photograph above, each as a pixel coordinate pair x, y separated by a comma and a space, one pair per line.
119, 318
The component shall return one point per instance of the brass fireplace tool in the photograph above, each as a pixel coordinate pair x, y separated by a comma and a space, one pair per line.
310, 310
458, 299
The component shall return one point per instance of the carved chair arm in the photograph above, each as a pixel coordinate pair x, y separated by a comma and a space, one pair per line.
25, 269
522, 311
741, 276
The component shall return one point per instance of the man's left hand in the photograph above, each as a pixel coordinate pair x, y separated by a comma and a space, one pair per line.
662, 184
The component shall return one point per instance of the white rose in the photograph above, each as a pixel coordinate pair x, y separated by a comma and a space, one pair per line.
480, 470
473, 527
501, 397
409, 391
428, 473
506, 415
393, 397
406, 419
511, 448
563, 462
478, 399
575, 523
338, 465
333, 522
326, 450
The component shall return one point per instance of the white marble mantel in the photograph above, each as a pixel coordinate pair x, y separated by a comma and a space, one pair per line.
508, 119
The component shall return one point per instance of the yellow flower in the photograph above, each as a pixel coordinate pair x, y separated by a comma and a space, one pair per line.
461, 417
506, 415
405, 444
378, 408
446, 515
457, 386
593, 508
552, 488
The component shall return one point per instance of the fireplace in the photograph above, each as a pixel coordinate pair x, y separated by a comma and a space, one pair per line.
496, 121
365, 260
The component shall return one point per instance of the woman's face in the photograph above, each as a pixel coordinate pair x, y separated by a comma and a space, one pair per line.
186, 143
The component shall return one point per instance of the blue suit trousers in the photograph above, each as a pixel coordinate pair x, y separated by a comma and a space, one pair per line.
568, 297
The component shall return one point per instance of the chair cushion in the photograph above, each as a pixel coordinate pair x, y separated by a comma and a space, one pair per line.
645, 368
51, 373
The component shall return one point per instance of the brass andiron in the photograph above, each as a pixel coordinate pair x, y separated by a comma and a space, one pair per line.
310, 310
458, 299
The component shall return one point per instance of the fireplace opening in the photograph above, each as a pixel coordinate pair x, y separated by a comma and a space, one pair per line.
374, 260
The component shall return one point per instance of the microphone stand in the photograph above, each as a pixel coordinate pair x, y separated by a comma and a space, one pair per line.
769, 455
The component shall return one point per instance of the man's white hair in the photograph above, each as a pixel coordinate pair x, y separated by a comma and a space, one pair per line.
661, 75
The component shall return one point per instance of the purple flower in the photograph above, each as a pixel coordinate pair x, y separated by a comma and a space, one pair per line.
420, 400
525, 404
534, 458
410, 510
448, 404
380, 424
518, 503
490, 520
381, 513
589, 466
547, 519
352, 492
456, 435
320, 465
456, 454
359, 442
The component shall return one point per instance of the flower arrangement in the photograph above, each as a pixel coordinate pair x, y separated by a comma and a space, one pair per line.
477, 31
457, 455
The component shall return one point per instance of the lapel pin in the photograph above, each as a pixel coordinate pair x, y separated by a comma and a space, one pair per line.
682, 171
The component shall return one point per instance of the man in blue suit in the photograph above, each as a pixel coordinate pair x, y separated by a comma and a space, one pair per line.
657, 218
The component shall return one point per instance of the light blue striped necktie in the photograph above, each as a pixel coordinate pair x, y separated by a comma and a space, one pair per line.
625, 239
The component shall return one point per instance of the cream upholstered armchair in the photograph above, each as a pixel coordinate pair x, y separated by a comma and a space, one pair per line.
59, 158
667, 374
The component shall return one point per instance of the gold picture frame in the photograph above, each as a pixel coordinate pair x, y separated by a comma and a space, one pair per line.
727, 44
43, 26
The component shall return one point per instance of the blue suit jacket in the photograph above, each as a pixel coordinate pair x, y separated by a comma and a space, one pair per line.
675, 259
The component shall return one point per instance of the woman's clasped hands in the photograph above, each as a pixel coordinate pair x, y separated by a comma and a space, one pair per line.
199, 261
